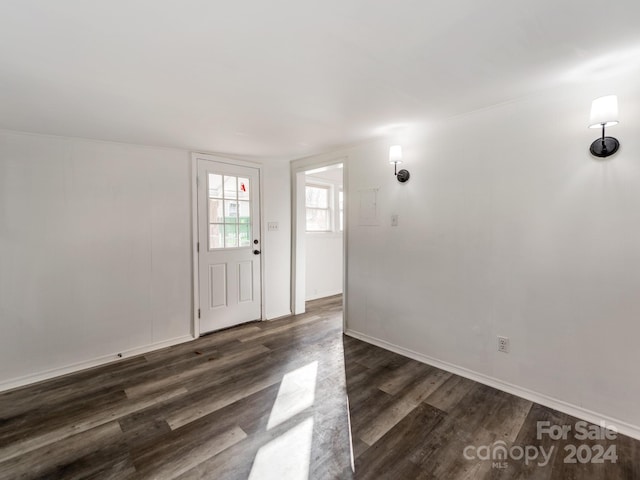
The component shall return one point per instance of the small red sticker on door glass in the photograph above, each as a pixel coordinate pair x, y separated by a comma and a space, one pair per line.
242, 187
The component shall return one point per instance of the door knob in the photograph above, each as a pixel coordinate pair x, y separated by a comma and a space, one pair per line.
256, 252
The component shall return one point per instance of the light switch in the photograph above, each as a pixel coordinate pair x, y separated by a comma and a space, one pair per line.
394, 220
273, 226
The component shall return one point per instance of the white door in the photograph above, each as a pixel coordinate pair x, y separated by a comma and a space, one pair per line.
229, 244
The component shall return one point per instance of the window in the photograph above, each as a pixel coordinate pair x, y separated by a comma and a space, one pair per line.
317, 202
229, 212
341, 209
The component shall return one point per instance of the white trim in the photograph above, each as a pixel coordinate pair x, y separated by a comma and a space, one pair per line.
195, 324
263, 226
228, 161
560, 405
96, 362
195, 237
298, 245
298, 238
345, 233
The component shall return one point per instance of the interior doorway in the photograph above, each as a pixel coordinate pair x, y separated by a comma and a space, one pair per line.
319, 231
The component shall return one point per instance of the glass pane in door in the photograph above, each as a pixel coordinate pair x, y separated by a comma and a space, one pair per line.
229, 213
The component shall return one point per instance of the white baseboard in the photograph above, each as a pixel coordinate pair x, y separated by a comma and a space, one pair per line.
323, 295
276, 316
95, 362
624, 428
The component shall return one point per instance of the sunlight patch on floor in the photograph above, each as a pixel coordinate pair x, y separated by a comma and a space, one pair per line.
296, 394
285, 457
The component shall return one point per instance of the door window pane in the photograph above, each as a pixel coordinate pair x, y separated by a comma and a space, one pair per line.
216, 236
215, 211
215, 185
243, 188
244, 214
230, 235
229, 211
244, 235
230, 187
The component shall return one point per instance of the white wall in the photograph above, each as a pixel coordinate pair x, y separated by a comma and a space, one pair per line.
509, 227
323, 264
95, 252
277, 244
324, 251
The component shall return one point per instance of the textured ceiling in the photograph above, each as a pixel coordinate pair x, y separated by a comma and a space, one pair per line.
286, 78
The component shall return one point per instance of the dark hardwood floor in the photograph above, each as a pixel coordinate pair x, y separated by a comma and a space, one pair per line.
268, 400
263, 400
413, 421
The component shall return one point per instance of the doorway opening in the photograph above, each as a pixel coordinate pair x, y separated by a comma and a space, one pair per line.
319, 232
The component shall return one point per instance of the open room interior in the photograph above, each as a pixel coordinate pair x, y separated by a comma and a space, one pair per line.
324, 224
355, 217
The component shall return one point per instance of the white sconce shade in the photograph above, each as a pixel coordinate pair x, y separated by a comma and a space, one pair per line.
604, 111
395, 157
395, 154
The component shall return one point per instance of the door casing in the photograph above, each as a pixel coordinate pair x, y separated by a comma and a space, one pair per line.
298, 246
195, 329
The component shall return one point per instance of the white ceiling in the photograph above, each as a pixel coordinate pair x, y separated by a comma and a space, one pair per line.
287, 78
331, 173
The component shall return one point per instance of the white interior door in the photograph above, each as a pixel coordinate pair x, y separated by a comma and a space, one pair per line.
229, 244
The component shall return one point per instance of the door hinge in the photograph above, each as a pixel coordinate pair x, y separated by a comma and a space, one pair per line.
197, 180
198, 247
198, 313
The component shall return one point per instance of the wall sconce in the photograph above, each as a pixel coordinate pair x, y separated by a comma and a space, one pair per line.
395, 157
604, 113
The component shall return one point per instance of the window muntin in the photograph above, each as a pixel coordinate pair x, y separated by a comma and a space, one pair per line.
229, 211
318, 211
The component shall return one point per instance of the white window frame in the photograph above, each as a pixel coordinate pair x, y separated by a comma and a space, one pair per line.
330, 205
339, 211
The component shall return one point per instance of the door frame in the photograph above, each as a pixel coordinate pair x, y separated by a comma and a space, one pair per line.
195, 279
298, 243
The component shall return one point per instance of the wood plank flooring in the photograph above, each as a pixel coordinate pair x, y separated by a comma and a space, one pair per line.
268, 400
263, 400
413, 421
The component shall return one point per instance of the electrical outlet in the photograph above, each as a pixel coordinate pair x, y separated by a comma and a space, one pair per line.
503, 344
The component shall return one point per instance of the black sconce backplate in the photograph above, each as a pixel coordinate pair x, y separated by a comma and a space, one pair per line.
403, 175
603, 147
